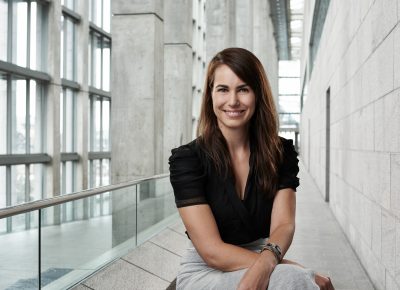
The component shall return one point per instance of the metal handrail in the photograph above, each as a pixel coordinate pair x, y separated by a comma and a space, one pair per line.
43, 203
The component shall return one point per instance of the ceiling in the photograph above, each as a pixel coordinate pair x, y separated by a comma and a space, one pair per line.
287, 18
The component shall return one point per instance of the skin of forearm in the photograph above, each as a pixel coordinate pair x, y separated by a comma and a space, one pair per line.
227, 257
283, 236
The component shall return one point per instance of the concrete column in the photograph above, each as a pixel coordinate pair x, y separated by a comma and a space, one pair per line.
264, 44
82, 97
137, 82
82, 107
177, 75
53, 178
137, 103
221, 27
244, 24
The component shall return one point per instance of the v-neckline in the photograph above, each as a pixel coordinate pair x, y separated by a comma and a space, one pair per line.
246, 187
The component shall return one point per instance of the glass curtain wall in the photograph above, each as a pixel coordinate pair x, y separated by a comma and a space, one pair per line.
23, 30
289, 98
24, 33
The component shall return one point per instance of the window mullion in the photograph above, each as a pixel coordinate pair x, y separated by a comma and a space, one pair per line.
74, 65
64, 56
8, 196
64, 140
9, 115
74, 137
101, 60
27, 118
101, 124
9, 149
10, 30
27, 196
28, 35
102, 14
101, 183
92, 123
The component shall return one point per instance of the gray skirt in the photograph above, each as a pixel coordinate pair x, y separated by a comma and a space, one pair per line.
195, 274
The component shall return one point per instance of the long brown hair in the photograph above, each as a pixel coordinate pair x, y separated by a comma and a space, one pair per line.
263, 129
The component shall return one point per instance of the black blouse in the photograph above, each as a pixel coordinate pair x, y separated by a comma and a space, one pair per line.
195, 181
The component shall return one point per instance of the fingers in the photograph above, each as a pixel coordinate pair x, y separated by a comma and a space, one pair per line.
324, 282
330, 285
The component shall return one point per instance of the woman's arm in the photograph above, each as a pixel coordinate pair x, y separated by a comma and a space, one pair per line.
281, 233
283, 219
203, 231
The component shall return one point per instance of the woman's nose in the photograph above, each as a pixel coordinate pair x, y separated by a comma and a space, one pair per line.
233, 100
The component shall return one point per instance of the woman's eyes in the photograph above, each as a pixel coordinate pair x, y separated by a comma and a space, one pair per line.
241, 90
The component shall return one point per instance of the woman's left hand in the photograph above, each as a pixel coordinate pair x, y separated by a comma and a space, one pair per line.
323, 282
257, 276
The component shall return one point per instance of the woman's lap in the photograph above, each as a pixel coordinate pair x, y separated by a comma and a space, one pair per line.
291, 277
195, 274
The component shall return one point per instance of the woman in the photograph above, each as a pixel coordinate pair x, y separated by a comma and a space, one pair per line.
235, 186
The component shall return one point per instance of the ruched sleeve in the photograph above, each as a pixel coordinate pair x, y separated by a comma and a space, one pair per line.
289, 167
187, 177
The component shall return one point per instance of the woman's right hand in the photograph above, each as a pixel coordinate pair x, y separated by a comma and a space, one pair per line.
257, 276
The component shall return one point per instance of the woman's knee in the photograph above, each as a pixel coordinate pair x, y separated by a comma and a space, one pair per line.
291, 277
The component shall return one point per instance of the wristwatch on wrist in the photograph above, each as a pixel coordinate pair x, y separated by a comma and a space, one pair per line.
275, 249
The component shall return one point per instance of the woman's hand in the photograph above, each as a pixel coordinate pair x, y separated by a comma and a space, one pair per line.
257, 276
323, 282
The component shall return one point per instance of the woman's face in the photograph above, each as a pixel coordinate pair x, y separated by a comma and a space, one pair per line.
233, 100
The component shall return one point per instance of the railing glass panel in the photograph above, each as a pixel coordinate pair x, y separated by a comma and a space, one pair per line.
156, 206
101, 228
19, 264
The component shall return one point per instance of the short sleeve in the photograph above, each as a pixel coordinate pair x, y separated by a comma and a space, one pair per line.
289, 168
187, 177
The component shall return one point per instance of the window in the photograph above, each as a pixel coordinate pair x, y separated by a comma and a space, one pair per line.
68, 120
99, 66
318, 21
23, 179
100, 14
26, 22
23, 30
70, 4
99, 152
68, 140
68, 47
69, 157
99, 175
289, 98
3, 29
21, 117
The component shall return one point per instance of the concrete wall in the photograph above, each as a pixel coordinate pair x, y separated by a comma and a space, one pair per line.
244, 24
359, 60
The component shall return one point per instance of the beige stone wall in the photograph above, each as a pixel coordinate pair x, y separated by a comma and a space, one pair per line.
359, 60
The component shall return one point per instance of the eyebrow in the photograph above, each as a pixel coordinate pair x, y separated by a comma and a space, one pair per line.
225, 86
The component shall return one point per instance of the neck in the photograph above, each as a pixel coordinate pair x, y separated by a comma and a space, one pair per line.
236, 139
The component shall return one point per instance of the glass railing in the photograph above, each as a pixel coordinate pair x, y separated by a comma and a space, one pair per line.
57, 254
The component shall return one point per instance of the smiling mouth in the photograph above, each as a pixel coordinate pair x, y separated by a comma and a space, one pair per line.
234, 113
